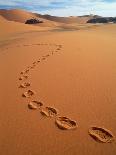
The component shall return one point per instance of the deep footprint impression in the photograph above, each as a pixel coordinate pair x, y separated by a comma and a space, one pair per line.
35, 105
23, 77
32, 106
65, 123
43, 58
49, 112
28, 94
24, 85
101, 134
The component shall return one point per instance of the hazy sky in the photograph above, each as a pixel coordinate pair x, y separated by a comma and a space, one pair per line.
64, 7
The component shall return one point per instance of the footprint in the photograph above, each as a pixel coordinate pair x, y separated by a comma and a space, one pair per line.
38, 44
49, 112
52, 53
26, 45
28, 94
65, 123
23, 77
32, 106
43, 58
47, 55
35, 104
60, 46
101, 134
28, 67
27, 70
24, 72
33, 66
34, 63
58, 49
24, 85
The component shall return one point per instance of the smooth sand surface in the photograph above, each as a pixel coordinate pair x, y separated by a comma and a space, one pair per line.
79, 80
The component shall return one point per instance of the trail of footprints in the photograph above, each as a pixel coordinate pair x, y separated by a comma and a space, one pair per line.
62, 122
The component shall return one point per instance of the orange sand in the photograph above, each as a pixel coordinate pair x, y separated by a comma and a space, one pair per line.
79, 80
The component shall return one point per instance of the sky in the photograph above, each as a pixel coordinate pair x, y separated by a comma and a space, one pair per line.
63, 7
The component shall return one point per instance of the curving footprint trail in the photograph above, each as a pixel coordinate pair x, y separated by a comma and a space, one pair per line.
98, 133
33, 105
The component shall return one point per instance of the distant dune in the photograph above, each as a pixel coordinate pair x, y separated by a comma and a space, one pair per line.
16, 15
15, 19
11, 27
48, 21
21, 16
67, 20
2, 19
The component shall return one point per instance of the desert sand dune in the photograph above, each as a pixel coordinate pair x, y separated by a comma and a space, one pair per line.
12, 21
16, 15
2, 19
22, 15
11, 27
66, 20
15, 20
75, 86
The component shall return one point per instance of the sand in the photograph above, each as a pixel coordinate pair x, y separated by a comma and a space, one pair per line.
19, 15
71, 71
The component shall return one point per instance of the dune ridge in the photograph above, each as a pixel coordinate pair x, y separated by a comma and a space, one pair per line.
22, 15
